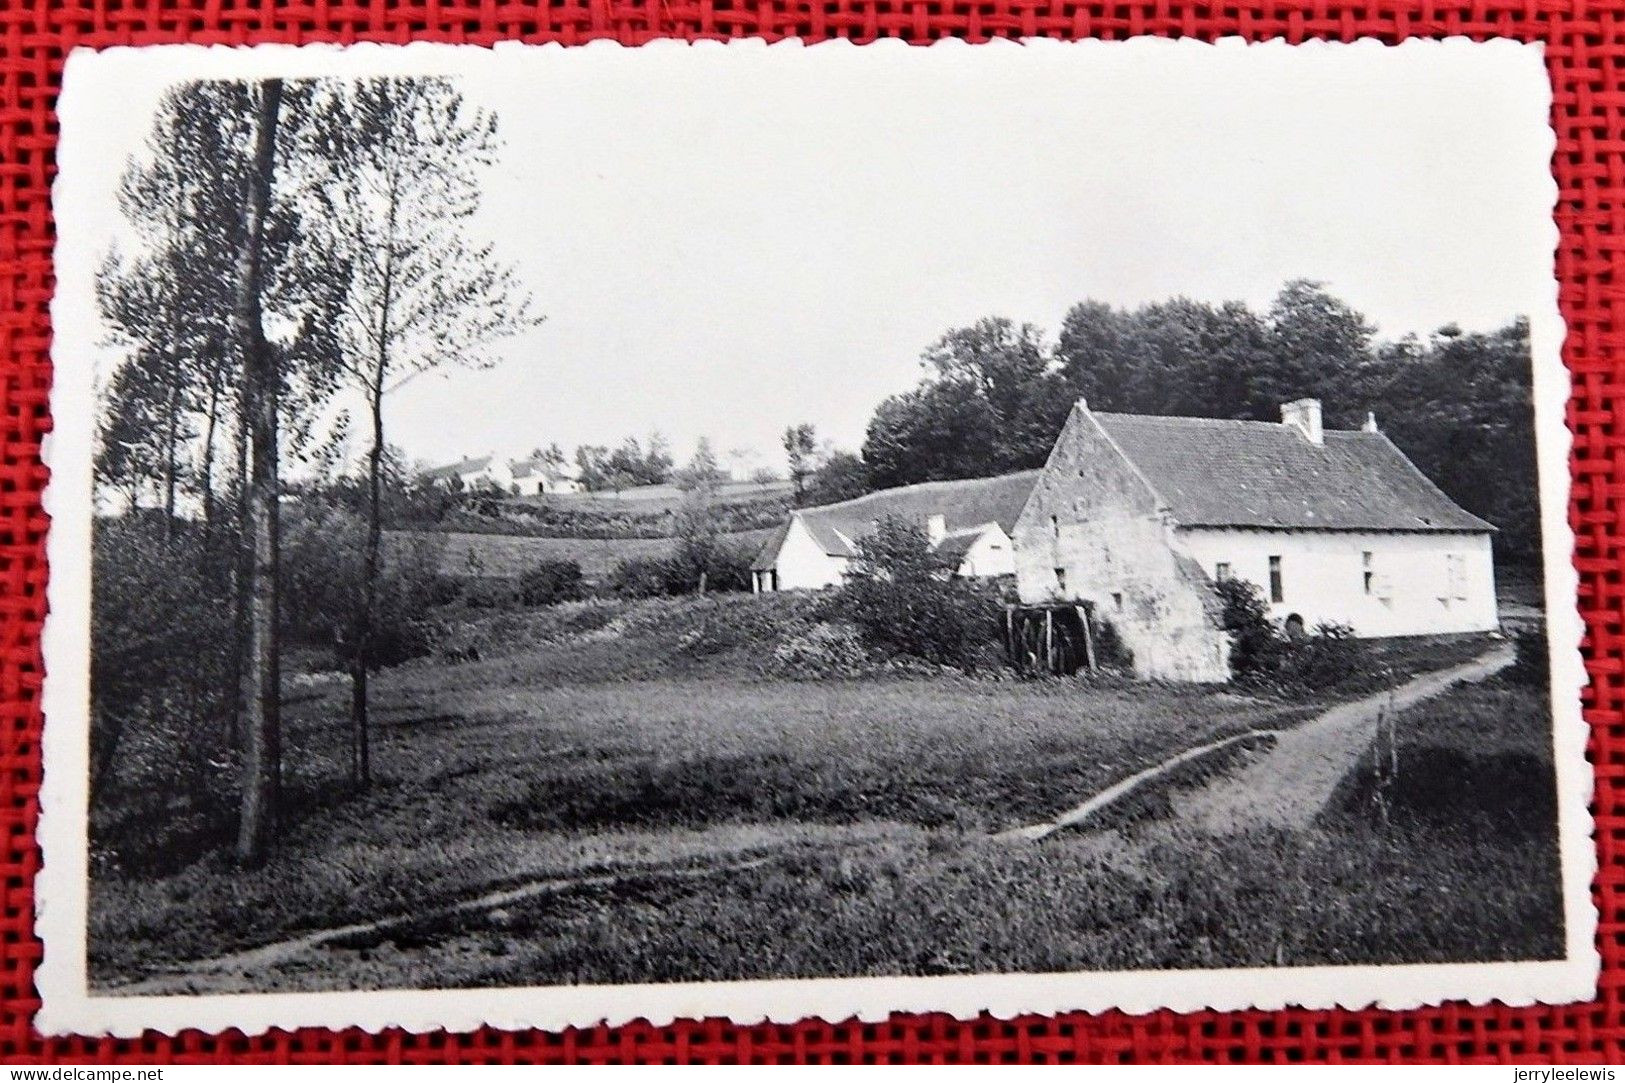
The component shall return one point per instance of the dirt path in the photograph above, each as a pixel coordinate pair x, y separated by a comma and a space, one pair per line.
247, 971
1287, 785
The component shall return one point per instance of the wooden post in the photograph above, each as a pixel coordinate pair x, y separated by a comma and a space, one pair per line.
1049, 639
1088, 638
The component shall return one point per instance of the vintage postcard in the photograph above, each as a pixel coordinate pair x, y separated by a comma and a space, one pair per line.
543, 535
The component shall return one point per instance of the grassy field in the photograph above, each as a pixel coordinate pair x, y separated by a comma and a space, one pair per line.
706, 820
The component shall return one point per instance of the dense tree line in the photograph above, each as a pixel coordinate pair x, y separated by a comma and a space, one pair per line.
994, 395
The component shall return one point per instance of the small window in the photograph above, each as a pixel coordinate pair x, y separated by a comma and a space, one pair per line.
1060, 580
1366, 572
1117, 601
1055, 526
1221, 572
1277, 594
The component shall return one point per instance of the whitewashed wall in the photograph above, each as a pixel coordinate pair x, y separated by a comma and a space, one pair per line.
803, 564
1323, 577
992, 555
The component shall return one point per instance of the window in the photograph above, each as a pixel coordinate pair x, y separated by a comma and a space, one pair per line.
1221, 572
1365, 570
1117, 601
1276, 593
1060, 580
1055, 526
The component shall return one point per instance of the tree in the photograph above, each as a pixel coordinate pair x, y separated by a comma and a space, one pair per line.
801, 456
593, 462
406, 156
1008, 367
989, 403
629, 465
940, 431
261, 760
129, 451
1456, 402
1317, 346
842, 477
169, 303
702, 472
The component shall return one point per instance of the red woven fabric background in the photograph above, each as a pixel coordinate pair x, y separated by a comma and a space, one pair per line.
1585, 51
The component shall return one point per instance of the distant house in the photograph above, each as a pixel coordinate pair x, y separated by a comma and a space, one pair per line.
523, 476
967, 522
536, 475
1140, 515
486, 472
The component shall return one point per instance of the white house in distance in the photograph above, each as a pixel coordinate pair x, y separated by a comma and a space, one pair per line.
1139, 515
968, 523
536, 475
484, 472
528, 476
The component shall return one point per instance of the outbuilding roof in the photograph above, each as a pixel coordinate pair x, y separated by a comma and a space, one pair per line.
963, 504
1260, 474
466, 466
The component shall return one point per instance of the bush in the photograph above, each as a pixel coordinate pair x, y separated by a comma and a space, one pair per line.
724, 567
904, 602
551, 581
163, 685
824, 650
1262, 655
641, 577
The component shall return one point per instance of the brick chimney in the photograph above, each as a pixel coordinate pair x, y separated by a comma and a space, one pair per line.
1304, 415
1370, 423
936, 528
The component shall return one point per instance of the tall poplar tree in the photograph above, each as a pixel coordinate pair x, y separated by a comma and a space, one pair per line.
407, 157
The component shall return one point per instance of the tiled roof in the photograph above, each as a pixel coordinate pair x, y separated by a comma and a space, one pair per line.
467, 466
524, 468
952, 549
962, 504
1260, 474
767, 554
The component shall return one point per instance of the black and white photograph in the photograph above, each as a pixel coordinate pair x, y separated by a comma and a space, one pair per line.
543, 536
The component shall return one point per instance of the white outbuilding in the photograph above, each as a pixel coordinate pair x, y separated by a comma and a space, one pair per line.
967, 522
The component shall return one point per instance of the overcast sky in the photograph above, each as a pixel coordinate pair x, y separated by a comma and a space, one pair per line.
726, 241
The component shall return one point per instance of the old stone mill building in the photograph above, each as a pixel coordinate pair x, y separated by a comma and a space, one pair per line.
1135, 517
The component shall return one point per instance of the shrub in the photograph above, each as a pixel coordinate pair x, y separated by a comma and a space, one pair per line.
163, 683
1261, 655
724, 567
641, 577
824, 650
905, 603
1255, 646
1110, 650
551, 581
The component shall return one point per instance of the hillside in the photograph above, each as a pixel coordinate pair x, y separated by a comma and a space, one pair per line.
486, 555
646, 513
